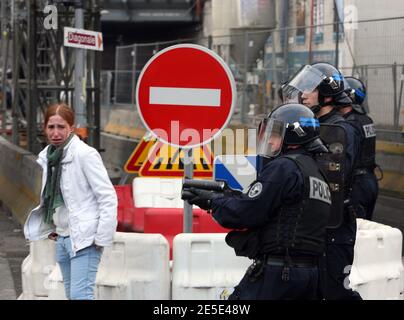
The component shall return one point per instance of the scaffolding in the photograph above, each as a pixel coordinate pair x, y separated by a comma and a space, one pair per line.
43, 68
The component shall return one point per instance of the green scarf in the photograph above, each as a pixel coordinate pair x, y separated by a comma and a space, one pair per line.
52, 194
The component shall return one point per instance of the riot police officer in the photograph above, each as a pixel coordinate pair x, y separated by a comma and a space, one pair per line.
364, 185
320, 86
281, 218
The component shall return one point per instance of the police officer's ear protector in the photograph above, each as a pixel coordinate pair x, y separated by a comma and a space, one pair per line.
292, 128
334, 86
321, 103
321, 98
296, 128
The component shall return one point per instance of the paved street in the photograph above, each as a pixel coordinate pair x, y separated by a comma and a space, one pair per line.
13, 250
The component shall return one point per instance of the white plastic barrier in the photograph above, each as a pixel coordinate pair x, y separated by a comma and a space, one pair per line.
205, 267
35, 269
377, 269
136, 266
157, 192
402, 285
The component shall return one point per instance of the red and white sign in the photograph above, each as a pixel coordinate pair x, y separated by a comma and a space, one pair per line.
186, 95
84, 39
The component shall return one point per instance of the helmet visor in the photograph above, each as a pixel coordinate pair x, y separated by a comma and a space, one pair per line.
305, 81
270, 138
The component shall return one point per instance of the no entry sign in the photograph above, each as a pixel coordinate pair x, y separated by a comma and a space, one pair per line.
186, 95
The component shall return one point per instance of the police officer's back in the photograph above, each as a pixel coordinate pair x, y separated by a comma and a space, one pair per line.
321, 87
365, 187
281, 218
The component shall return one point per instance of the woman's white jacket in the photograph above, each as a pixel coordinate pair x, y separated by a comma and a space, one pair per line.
89, 197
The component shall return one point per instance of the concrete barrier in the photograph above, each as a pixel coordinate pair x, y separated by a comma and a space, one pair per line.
135, 267
117, 152
20, 179
205, 267
377, 270
389, 155
125, 122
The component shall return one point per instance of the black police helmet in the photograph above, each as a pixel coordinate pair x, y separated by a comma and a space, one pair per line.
333, 83
300, 122
357, 90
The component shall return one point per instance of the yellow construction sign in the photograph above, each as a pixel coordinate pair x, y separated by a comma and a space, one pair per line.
139, 155
168, 161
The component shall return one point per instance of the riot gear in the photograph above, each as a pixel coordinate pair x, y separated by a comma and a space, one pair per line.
332, 83
333, 117
357, 88
367, 157
364, 185
289, 124
333, 166
281, 219
324, 78
321, 87
281, 224
291, 217
341, 237
356, 91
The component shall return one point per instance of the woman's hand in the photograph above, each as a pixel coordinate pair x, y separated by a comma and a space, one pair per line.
53, 236
97, 247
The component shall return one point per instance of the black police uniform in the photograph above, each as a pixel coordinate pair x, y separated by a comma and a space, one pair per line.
341, 241
365, 187
283, 214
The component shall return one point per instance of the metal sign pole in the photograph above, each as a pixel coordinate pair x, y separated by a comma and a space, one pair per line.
79, 74
188, 173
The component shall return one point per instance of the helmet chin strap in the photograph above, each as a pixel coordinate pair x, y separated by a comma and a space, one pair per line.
321, 103
316, 108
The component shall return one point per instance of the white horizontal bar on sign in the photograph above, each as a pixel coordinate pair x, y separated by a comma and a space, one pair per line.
185, 96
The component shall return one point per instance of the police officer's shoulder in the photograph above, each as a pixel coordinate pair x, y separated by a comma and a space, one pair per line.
281, 167
350, 127
353, 121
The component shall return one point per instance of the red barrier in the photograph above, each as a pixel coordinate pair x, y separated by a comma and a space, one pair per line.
125, 207
207, 224
169, 222
130, 218
138, 219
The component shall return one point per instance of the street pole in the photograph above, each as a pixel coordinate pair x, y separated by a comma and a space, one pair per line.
32, 94
97, 82
16, 63
79, 90
188, 173
337, 35
4, 49
276, 84
244, 101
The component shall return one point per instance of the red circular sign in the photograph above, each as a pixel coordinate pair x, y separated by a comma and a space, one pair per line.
186, 95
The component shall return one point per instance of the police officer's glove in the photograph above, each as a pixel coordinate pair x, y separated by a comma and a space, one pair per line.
203, 198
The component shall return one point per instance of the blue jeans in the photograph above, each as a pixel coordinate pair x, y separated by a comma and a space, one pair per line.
79, 272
